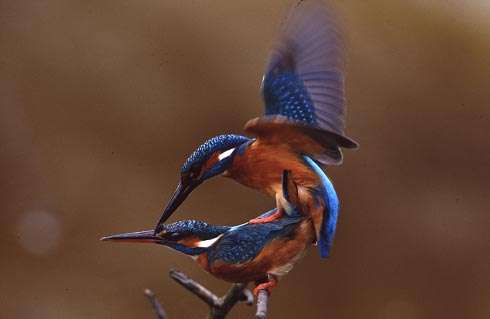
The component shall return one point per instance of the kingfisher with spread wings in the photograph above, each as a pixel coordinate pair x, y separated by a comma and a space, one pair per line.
302, 130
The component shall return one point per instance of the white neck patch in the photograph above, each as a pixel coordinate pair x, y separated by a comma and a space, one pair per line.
209, 242
225, 154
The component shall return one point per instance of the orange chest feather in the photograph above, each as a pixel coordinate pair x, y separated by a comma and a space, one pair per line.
261, 166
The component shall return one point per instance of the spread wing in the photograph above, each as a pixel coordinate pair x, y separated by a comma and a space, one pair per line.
303, 86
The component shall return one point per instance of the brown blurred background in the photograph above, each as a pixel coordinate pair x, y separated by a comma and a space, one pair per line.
101, 101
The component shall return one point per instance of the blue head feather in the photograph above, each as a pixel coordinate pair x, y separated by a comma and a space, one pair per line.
197, 228
331, 214
208, 148
170, 234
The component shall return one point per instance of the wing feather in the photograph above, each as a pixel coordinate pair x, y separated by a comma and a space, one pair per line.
303, 85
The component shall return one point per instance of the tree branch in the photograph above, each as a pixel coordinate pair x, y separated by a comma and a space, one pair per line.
196, 288
155, 304
218, 307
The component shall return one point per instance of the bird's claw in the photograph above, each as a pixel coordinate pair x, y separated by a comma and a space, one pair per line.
277, 215
268, 285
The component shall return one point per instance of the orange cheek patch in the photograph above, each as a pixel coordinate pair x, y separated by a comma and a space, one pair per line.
189, 241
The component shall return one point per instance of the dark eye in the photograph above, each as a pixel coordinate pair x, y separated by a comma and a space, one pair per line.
174, 235
194, 172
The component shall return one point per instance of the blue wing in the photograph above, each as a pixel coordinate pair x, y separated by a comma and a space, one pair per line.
303, 85
244, 243
331, 214
304, 80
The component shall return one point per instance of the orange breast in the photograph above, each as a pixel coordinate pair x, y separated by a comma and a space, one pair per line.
261, 167
262, 164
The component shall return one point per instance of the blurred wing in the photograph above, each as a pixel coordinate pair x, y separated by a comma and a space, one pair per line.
303, 85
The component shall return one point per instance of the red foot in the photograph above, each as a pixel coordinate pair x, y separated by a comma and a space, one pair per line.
277, 215
265, 286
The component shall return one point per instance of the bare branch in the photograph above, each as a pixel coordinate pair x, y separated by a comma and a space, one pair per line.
196, 288
218, 307
155, 304
235, 294
262, 299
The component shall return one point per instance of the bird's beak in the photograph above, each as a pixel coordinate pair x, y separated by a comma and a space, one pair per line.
145, 236
178, 197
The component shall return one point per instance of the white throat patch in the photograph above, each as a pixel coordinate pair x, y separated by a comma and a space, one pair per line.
225, 154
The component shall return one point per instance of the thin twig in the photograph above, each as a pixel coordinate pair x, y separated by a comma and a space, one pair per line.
262, 299
218, 307
235, 294
196, 288
155, 304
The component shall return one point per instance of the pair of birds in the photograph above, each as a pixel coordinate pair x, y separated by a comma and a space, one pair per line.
300, 133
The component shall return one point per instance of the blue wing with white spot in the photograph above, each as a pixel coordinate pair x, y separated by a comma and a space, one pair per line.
244, 243
303, 85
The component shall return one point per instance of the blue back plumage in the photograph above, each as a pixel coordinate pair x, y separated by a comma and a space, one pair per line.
238, 244
331, 213
243, 243
217, 143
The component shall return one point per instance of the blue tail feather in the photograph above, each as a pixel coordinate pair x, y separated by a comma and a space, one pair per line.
331, 213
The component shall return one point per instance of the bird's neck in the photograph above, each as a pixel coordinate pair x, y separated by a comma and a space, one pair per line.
191, 251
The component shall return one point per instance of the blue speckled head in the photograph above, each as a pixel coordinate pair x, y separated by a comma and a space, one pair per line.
174, 235
185, 228
200, 166
208, 148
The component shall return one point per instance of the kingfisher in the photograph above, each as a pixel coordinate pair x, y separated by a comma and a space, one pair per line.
250, 252
302, 130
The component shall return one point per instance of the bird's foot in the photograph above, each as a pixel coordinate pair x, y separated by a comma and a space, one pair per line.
268, 285
277, 215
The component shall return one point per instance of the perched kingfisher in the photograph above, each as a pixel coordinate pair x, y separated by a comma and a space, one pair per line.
259, 252
302, 129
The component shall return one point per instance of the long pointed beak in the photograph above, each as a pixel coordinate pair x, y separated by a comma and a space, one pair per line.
177, 199
145, 236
